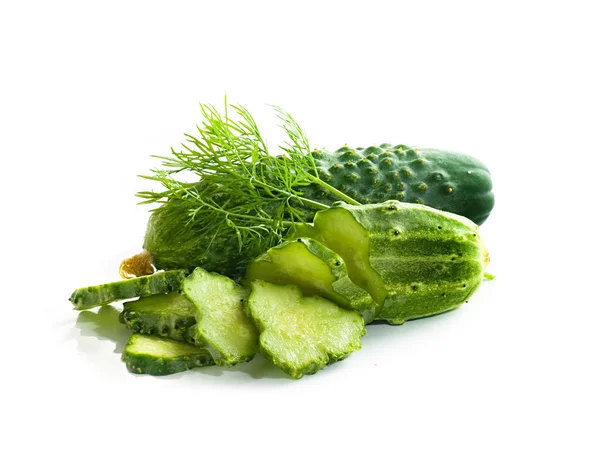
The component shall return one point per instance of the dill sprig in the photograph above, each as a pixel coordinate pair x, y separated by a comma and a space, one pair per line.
241, 191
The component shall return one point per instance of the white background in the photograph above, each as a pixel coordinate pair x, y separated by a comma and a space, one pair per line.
90, 89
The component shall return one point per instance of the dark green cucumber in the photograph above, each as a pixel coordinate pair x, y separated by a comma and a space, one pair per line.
155, 355
103, 294
414, 260
450, 181
222, 324
301, 335
167, 315
315, 269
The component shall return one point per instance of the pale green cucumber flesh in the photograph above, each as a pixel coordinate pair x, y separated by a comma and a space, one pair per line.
168, 315
301, 335
315, 269
339, 231
155, 355
103, 294
222, 324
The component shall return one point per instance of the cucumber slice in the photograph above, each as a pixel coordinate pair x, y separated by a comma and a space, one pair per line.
315, 269
155, 355
167, 315
301, 335
222, 324
103, 294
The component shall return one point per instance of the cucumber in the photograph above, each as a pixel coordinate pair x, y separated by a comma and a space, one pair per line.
155, 355
103, 294
301, 335
414, 260
450, 181
315, 269
167, 315
222, 324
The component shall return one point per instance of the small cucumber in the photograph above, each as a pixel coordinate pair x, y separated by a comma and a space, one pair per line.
155, 355
444, 180
301, 335
315, 269
103, 294
222, 324
414, 260
167, 315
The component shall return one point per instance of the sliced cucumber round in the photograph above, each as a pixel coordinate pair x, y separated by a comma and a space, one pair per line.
222, 324
103, 294
301, 335
155, 355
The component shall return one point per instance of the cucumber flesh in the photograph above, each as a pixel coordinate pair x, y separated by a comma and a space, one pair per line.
103, 294
414, 260
315, 269
301, 335
340, 231
222, 324
167, 315
155, 355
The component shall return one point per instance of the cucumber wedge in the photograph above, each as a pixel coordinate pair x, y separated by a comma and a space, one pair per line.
222, 324
155, 355
167, 315
103, 294
301, 335
315, 269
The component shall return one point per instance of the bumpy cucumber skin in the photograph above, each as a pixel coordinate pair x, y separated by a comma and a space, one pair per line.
176, 244
343, 291
103, 294
157, 366
448, 181
221, 356
171, 318
296, 371
429, 261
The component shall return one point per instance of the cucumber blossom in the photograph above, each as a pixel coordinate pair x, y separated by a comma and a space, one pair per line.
449, 181
414, 260
315, 269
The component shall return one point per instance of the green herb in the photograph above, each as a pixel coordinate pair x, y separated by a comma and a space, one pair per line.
242, 192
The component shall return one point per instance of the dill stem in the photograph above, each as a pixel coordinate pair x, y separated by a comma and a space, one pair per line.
314, 203
333, 190
244, 216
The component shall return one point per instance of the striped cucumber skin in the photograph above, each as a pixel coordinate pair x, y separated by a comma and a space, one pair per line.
103, 294
416, 261
315, 269
155, 355
167, 315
